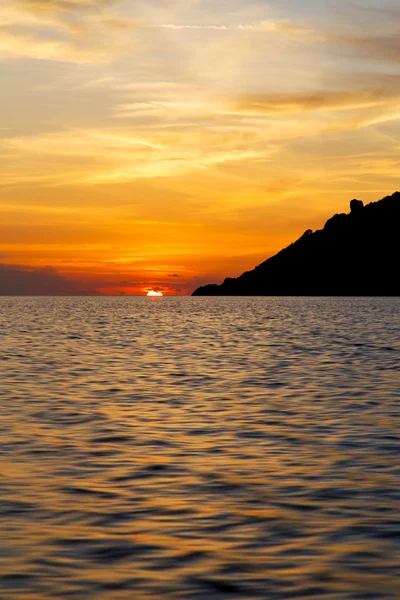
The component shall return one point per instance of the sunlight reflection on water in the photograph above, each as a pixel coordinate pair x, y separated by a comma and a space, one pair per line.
199, 448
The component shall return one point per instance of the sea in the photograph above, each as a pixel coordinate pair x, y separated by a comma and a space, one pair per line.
199, 448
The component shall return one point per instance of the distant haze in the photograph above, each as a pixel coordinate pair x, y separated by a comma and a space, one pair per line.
165, 145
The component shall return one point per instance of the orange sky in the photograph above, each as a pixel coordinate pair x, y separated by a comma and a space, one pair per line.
167, 144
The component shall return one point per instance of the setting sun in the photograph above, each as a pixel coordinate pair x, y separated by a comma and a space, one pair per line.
153, 293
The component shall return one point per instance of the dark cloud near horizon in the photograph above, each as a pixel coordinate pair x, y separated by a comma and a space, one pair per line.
20, 280
23, 280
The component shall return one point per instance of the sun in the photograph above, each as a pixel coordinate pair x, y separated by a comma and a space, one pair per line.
153, 293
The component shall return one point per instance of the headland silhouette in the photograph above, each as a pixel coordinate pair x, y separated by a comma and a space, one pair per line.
355, 254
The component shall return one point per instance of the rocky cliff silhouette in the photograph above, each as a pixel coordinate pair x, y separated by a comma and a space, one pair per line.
355, 254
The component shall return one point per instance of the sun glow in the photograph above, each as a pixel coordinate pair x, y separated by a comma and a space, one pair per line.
153, 293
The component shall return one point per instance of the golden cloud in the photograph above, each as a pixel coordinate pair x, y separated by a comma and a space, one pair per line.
15, 44
73, 31
273, 104
61, 5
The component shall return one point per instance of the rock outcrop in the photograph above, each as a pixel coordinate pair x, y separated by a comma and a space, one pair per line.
355, 254
356, 206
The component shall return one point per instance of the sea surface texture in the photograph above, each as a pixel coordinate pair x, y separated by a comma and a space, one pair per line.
199, 448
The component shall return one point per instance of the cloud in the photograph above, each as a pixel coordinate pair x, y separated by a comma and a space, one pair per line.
388, 11
62, 5
117, 156
20, 280
71, 31
183, 27
273, 104
14, 44
383, 48
285, 27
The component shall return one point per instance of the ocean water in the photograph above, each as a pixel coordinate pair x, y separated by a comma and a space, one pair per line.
199, 448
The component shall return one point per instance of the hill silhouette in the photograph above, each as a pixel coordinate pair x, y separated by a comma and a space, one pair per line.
355, 254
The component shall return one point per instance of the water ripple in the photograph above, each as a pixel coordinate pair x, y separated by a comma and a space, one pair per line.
199, 448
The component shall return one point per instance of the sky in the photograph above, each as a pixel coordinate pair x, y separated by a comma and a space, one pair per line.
164, 144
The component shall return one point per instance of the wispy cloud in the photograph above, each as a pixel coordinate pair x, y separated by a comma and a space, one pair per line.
15, 44
61, 30
284, 27
63, 5
115, 157
273, 104
182, 27
374, 48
